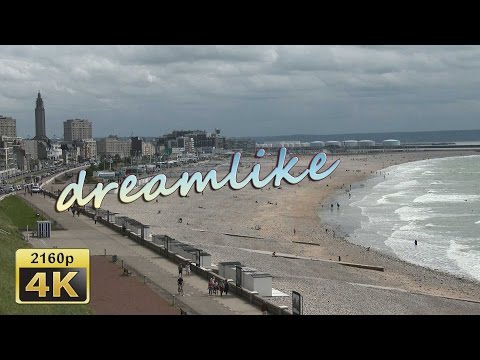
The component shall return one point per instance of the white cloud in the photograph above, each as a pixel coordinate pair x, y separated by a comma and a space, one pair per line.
245, 90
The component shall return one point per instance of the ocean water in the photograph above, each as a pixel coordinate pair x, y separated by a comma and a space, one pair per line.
436, 202
460, 137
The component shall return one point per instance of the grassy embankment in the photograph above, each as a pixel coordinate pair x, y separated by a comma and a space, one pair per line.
15, 215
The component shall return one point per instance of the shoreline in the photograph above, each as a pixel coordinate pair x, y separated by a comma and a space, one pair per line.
388, 252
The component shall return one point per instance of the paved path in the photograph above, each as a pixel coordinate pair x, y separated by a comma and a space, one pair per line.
83, 233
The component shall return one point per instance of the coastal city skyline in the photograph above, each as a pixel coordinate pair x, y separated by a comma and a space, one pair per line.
304, 180
245, 90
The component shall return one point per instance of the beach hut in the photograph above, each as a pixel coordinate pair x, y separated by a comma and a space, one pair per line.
260, 282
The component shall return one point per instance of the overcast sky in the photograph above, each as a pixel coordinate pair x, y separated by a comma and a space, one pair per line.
244, 90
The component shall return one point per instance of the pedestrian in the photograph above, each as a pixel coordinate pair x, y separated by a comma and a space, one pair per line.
78, 212
415, 242
73, 212
215, 287
187, 269
180, 285
220, 287
338, 206
294, 231
180, 269
210, 287
95, 218
226, 286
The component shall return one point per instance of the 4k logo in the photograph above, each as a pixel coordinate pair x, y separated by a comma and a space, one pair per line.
53, 276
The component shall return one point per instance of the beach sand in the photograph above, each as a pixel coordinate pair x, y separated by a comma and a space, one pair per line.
327, 287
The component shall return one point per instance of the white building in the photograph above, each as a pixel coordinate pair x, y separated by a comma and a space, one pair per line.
391, 143
54, 152
333, 143
350, 143
366, 143
319, 144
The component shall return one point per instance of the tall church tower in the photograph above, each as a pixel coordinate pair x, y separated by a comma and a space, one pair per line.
40, 132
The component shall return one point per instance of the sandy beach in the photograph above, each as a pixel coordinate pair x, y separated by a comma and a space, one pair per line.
279, 216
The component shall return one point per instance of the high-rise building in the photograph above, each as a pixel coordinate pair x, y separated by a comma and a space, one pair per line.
40, 131
8, 147
8, 126
137, 146
77, 129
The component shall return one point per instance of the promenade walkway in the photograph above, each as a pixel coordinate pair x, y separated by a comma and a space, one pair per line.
82, 232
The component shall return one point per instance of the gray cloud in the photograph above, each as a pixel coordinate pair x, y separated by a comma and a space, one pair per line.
245, 90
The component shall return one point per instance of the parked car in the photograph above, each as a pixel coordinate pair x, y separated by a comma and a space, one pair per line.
36, 188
